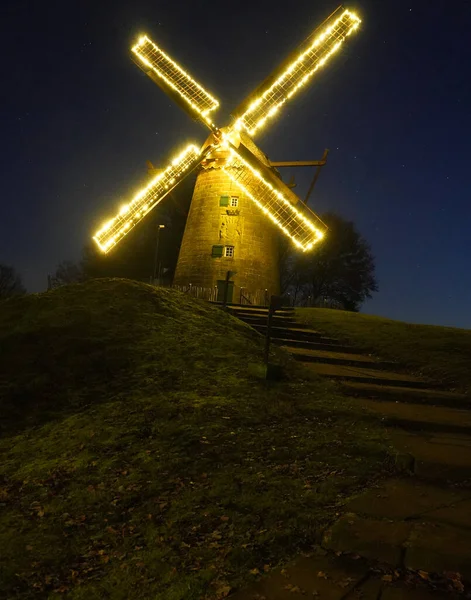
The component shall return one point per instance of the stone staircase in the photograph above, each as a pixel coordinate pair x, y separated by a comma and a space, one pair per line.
422, 520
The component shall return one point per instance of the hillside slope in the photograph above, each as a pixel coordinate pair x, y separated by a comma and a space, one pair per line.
140, 459
442, 353
89, 343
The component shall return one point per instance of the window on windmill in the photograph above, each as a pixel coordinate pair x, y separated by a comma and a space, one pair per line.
224, 201
234, 201
229, 251
217, 251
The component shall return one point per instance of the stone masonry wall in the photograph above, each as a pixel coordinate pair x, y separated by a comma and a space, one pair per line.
254, 237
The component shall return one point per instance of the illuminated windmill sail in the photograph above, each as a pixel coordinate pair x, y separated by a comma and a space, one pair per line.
254, 179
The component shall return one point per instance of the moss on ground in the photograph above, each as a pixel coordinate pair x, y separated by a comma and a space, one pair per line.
442, 353
139, 458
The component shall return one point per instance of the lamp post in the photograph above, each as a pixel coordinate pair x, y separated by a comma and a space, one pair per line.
156, 269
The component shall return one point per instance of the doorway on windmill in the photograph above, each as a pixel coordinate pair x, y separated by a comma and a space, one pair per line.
221, 283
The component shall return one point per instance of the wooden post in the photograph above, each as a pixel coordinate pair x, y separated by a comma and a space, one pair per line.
276, 302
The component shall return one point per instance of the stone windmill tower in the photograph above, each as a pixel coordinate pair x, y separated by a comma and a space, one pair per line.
226, 231
240, 204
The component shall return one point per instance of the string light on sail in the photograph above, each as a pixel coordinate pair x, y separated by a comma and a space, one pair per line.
298, 73
296, 224
197, 98
145, 200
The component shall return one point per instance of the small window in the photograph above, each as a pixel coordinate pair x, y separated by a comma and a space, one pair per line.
229, 251
224, 201
234, 201
217, 251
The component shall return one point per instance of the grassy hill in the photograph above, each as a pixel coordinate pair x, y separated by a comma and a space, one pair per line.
141, 459
442, 353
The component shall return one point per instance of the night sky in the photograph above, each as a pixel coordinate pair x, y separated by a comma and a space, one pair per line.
79, 120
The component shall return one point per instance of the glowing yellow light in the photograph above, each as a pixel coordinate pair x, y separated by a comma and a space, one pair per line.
300, 224
298, 73
197, 98
130, 214
297, 225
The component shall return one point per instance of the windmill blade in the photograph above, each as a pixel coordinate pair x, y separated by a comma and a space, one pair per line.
274, 198
189, 94
144, 201
267, 100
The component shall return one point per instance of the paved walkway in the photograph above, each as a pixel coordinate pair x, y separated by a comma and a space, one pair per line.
415, 529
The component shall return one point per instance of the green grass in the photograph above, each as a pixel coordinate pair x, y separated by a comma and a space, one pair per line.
141, 459
442, 353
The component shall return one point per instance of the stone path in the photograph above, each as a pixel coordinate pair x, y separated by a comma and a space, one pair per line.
418, 523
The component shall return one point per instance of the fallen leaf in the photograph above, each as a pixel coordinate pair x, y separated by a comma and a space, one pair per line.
452, 575
223, 591
424, 575
458, 585
294, 589
254, 571
387, 578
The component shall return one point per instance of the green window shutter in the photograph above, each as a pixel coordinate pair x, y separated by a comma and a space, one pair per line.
217, 251
224, 201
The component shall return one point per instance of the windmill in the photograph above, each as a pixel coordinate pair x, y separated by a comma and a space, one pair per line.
239, 204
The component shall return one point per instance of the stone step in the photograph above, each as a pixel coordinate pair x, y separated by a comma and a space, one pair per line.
423, 545
258, 310
336, 358
406, 394
233, 306
294, 333
276, 321
324, 575
413, 500
312, 345
320, 576
420, 526
367, 375
418, 417
434, 456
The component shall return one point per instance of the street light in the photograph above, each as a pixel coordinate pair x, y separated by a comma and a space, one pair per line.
156, 269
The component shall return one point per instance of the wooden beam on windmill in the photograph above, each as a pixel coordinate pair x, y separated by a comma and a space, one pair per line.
323, 162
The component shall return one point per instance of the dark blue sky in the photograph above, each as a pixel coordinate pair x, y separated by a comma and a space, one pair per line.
79, 120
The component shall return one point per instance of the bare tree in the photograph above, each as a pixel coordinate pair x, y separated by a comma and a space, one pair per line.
10, 283
67, 272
